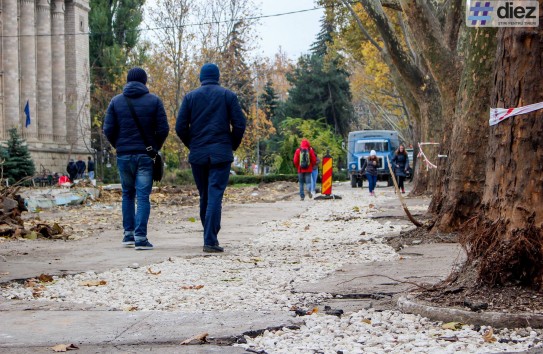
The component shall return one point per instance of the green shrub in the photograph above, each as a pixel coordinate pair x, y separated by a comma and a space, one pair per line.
177, 177
250, 179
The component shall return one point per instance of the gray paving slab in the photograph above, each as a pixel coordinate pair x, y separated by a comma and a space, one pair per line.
135, 349
419, 264
22, 329
25, 259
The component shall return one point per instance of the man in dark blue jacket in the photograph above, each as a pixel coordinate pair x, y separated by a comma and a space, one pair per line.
211, 124
134, 164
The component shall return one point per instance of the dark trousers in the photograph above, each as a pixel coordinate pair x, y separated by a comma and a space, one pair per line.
400, 181
211, 181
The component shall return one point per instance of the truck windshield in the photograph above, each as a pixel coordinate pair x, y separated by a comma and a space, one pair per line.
368, 145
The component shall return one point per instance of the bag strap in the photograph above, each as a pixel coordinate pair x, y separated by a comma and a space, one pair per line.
149, 148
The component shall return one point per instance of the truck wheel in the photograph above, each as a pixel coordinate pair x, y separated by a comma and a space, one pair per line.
353, 181
389, 181
359, 182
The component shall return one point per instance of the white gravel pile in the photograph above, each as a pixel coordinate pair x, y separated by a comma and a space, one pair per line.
369, 331
258, 275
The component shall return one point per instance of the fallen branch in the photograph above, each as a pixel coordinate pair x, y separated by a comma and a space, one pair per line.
407, 212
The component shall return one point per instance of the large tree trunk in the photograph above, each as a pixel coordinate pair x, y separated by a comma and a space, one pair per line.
459, 196
506, 241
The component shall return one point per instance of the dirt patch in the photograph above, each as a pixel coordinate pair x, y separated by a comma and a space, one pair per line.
188, 195
418, 236
462, 290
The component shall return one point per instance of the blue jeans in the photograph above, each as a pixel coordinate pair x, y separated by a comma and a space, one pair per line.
136, 173
211, 181
304, 178
372, 181
314, 176
91, 174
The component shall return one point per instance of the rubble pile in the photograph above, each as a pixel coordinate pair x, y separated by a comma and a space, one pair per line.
11, 207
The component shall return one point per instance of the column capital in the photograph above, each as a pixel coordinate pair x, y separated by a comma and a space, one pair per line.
44, 5
58, 6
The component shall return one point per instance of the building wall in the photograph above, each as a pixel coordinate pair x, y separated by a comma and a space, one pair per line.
60, 106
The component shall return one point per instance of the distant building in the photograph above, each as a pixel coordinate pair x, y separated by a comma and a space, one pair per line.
44, 61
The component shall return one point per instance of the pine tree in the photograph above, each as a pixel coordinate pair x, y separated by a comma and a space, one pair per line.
235, 74
268, 101
18, 163
320, 86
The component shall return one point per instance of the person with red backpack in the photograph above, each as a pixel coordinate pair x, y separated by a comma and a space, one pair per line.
304, 160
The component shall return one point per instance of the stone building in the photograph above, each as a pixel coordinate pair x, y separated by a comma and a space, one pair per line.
44, 61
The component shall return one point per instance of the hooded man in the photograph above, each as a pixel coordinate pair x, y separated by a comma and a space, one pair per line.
134, 164
211, 124
304, 160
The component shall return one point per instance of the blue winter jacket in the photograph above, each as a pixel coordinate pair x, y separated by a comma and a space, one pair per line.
120, 128
210, 123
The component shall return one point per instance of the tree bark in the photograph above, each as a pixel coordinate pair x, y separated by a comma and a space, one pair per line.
459, 196
506, 240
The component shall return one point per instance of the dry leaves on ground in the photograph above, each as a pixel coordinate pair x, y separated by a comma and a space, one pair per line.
64, 347
93, 283
197, 339
191, 287
488, 336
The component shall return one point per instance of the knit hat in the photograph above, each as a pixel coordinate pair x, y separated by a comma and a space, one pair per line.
373, 153
209, 72
137, 74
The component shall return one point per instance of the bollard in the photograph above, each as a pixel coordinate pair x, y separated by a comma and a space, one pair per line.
326, 193
327, 164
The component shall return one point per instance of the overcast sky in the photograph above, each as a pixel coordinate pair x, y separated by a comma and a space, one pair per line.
294, 33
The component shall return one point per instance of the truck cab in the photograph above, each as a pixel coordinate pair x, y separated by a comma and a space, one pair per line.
360, 143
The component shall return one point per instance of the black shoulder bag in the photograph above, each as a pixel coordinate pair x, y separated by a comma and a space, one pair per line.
158, 165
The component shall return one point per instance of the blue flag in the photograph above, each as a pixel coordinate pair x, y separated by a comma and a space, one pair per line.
27, 112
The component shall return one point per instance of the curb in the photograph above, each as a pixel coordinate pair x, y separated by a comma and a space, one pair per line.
408, 304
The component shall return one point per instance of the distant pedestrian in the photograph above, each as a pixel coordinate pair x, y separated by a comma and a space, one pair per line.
71, 168
134, 164
90, 168
400, 163
211, 124
304, 160
81, 167
371, 171
315, 173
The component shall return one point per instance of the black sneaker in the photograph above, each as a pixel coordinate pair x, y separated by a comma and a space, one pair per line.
144, 245
128, 241
213, 249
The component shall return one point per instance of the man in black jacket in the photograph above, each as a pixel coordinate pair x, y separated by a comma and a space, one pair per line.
134, 164
211, 124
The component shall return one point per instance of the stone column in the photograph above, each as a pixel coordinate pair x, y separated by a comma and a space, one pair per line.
28, 66
45, 96
10, 61
59, 72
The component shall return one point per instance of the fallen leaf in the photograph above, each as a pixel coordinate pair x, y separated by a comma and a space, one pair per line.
197, 339
130, 308
192, 219
366, 320
312, 311
153, 273
93, 283
488, 336
191, 287
306, 227
45, 278
356, 209
64, 347
452, 326
4, 273
371, 206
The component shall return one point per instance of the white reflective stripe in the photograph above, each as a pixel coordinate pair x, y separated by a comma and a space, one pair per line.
498, 115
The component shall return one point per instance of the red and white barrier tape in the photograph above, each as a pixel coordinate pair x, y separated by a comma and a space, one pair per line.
429, 165
498, 115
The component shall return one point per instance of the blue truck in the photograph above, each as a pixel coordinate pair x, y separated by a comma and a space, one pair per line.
360, 143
